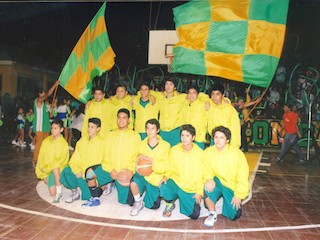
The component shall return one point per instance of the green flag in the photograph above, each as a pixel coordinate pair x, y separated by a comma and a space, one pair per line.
239, 40
91, 56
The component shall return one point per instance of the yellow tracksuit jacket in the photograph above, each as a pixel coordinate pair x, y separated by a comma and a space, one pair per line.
230, 166
87, 153
116, 105
143, 114
53, 154
194, 113
186, 168
99, 110
225, 115
169, 109
122, 148
160, 156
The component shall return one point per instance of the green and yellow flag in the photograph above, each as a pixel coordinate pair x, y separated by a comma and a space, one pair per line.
91, 56
239, 40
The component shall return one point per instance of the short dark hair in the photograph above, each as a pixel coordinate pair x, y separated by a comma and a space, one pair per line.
195, 87
217, 87
189, 128
122, 85
95, 121
289, 105
57, 121
98, 88
170, 79
124, 110
144, 84
224, 130
153, 121
40, 90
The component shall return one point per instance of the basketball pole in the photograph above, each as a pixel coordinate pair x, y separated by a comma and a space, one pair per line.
309, 130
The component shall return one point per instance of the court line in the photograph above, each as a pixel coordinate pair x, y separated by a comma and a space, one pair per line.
178, 230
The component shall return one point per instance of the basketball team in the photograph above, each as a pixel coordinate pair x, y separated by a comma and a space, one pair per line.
163, 158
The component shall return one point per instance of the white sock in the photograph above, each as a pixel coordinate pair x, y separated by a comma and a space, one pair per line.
212, 212
58, 189
137, 198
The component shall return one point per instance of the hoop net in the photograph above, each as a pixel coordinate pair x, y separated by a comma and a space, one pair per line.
169, 63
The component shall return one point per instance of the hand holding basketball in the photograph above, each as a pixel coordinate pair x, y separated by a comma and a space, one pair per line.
144, 165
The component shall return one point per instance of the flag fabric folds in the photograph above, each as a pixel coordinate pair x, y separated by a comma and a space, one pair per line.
239, 40
91, 56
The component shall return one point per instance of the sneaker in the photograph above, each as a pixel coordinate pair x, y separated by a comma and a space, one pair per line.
22, 144
74, 196
108, 189
211, 219
301, 161
14, 142
58, 198
92, 202
168, 210
279, 161
32, 147
137, 206
71, 148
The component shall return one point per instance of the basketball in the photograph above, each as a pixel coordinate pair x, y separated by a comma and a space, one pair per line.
124, 177
144, 166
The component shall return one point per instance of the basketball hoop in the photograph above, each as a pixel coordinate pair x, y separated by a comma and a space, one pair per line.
169, 58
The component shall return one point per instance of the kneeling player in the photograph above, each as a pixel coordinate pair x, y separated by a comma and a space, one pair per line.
87, 156
156, 151
183, 178
53, 158
121, 152
225, 175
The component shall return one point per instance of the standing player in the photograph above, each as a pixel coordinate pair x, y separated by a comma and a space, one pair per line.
120, 100
99, 107
194, 113
170, 105
145, 108
223, 114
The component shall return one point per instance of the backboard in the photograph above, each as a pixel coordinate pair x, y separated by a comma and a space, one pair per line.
161, 43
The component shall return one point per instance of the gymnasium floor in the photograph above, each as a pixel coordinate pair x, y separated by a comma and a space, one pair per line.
284, 205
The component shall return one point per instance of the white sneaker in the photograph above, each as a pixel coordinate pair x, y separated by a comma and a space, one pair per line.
74, 196
71, 148
211, 219
137, 206
108, 189
14, 142
22, 144
32, 147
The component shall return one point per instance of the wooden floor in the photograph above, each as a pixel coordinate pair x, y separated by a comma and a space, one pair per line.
284, 205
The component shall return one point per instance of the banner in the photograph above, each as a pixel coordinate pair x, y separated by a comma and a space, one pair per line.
91, 56
239, 40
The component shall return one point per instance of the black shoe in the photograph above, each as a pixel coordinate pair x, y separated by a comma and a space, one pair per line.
279, 161
301, 161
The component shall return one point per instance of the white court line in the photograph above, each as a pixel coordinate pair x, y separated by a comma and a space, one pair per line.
265, 164
175, 230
